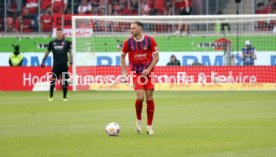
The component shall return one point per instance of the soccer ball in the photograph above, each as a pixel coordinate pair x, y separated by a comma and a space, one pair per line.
112, 129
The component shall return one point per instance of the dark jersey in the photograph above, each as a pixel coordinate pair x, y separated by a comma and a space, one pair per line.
60, 48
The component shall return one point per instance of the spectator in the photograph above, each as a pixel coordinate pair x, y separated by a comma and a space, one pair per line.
229, 57
95, 11
269, 7
173, 61
32, 5
261, 9
94, 3
159, 7
44, 4
47, 20
272, 23
123, 9
85, 7
183, 7
14, 7
10, 24
221, 25
59, 6
16, 59
110, 9
116, 7
134, 7
2, 28
168, 10
248, 54
26, 23
146, 8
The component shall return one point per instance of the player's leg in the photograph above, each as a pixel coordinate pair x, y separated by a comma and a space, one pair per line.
140, 93
149, 88
150, 110
65, 77
139, 106
139, 103
55, 75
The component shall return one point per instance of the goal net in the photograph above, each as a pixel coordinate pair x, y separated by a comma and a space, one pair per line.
226, 52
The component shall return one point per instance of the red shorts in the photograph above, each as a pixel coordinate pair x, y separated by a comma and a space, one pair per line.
142, 82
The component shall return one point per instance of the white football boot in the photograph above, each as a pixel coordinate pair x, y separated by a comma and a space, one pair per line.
138, 127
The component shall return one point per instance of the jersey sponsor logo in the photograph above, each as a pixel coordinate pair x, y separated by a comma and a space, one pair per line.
140, 56
58, 47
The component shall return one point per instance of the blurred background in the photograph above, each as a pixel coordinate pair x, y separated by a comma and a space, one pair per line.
36, 16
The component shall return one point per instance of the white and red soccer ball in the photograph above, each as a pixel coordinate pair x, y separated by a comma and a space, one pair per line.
112, 129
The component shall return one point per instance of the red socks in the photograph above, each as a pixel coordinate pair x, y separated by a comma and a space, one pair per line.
139, 107
150, 111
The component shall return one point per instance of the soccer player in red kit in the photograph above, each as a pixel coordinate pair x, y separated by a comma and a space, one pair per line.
143, 55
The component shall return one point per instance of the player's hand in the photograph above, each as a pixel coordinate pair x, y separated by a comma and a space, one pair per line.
42, 65
124, 78
146, 72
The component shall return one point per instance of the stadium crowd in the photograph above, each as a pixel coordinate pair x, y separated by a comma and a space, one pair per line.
27, 15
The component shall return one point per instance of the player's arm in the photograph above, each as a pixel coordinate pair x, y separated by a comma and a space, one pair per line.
46, 54
70, 53
123, 64
152, 64
123, 58
155, 53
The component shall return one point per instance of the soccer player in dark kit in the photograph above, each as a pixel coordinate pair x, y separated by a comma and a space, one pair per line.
60, 47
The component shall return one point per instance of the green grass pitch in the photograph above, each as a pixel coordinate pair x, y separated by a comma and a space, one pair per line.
165, 43
190, 124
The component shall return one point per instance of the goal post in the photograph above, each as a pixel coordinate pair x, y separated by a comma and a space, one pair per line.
213, 51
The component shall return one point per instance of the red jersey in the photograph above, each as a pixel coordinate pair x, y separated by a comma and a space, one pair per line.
32, 5
140, 53
46, 23
182, 3
44, 4
58, 6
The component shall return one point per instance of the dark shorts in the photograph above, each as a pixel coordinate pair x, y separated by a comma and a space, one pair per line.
184, 12
59, 69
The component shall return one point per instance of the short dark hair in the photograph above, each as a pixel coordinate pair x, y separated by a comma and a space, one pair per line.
16, 48
59, 29
138, 23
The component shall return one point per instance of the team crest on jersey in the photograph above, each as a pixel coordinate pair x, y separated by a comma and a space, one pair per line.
145, 48
55, 43
62, 43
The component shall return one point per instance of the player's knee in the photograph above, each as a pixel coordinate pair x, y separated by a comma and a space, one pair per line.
53, 81
140, 98
149, 97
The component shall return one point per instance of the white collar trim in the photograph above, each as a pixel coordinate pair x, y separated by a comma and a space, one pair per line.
139, 40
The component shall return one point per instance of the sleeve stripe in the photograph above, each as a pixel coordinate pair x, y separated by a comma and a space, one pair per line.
155, 52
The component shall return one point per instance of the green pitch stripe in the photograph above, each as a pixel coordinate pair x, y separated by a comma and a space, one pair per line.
166, 43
